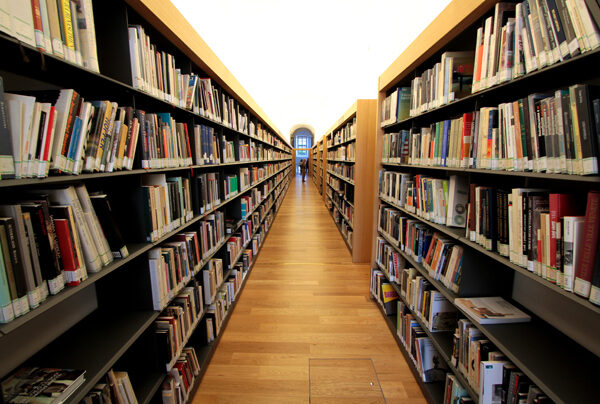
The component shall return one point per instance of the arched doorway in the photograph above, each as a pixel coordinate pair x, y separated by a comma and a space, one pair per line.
302, 138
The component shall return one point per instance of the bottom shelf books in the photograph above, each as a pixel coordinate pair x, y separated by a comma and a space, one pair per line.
454, 392
179, 382
41, 385
488, 371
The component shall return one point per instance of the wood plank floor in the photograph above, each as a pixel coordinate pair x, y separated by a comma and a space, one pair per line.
305, 299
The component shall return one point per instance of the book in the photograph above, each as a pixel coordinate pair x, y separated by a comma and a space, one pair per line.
491, 310
41, 385
591, 232
109, 226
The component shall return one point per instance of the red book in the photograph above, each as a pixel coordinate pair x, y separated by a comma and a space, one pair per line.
587, 251
466, 140
67, 248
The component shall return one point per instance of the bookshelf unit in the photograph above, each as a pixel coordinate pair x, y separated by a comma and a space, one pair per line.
558, 348
316, 156
107, 320
348, 168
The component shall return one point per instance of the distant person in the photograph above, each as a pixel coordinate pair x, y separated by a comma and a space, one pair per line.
303, 168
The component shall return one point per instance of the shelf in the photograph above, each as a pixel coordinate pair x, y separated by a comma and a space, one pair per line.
341, 213
342, 234
530, 354
135, 250
348, 180
342, 161
505, 91
341, 143
341, 194
443, 341
456, 234
433, 392
96, 343
448, 294
148, 388
595, 179
63, 73
66, 178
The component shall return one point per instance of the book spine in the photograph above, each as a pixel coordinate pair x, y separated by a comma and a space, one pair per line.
585, 265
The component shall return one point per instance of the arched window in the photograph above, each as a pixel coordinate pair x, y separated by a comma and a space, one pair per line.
302, 138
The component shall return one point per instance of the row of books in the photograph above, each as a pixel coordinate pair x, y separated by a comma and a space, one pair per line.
488, 371
344, 207
448, 80
343, 187
115, 387
343, 134
236, 243
178, 384
63, 132
172, 266
553, 132
52, 238
553, 235
164, 204
345, 153
212, 278
527, 36
343, 170
442, 201
439, 256
175, 324
155, 72
63, 28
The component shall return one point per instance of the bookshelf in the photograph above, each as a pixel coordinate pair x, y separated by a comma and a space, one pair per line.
348, 169
316, 165
559, 345
105, 321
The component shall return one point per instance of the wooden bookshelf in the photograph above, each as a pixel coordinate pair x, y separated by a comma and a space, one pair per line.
359, 198
559, 348
105, 322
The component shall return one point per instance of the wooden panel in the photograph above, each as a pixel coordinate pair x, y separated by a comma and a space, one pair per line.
344, 381
458, 15
365, 188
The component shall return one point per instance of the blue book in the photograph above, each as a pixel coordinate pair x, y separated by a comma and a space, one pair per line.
74, 138
445, 142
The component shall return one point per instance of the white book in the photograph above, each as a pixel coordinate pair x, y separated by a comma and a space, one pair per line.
490, 382
22, 21
87, 35
458, 197
94, 224
590, 30
20, 111
491, 310
45, 26
62, 106
32, 142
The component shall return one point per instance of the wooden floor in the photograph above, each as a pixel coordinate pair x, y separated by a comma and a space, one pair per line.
304, 300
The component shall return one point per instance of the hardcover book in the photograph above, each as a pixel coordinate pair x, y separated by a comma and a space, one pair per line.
491, 310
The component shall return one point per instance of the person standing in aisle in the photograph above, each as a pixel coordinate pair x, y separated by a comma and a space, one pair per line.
303, 168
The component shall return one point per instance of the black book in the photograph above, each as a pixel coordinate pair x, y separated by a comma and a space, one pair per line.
596, 109
586, 129
49, 260
595, 292
15, 257
109, 225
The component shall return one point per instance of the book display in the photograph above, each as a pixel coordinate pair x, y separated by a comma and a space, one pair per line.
139, 181
486, 229
348, 169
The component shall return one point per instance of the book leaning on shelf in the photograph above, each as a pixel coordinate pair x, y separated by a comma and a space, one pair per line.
178, 383
63, 28
555, 132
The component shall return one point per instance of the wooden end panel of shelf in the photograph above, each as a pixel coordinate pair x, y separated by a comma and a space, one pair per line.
364, 172
166, 18
457, 16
